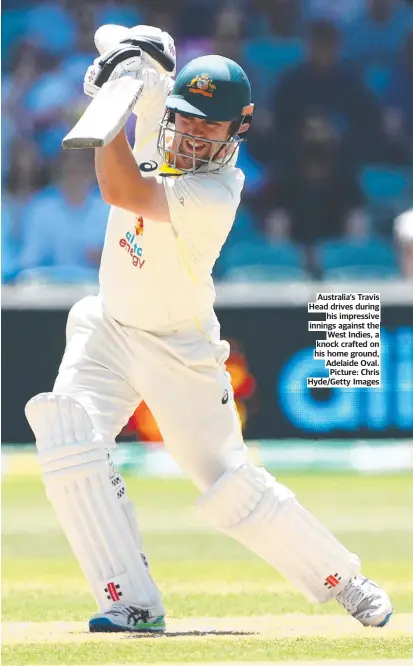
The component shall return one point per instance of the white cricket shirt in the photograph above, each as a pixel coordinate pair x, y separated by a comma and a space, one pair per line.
156, 275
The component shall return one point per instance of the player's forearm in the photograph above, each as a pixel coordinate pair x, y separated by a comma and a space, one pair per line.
121, 183
116, 171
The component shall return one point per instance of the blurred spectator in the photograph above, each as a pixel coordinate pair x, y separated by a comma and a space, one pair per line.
228, 33
257, 174
333, 10
13, 29
225, 38
196, 19
27, 172
326, 87
119, 13
66, 227
89, 17
165, 16
283, 17
377, 35
317, 198
51, 27
278, 19
273, 48
403, 232
74, 66
47, 102
9, 245
27, 176
267, 55
26, 66
398, 102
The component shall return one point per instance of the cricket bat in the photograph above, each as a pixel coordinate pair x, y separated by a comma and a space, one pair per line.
106, 115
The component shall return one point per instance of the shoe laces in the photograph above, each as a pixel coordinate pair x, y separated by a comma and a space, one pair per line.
119, 609
133, 613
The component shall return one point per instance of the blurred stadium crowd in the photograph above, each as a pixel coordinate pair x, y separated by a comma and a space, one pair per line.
329, 160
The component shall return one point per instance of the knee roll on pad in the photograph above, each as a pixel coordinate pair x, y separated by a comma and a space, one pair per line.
248, 504
83, 488
65, 439
242, 495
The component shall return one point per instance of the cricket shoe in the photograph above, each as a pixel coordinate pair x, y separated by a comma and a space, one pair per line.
366, 602
127, 617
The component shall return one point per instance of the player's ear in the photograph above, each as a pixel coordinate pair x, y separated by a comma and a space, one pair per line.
247, 113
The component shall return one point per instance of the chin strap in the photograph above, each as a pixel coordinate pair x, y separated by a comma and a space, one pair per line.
168, 170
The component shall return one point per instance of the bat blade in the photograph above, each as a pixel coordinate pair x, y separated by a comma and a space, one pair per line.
106, 115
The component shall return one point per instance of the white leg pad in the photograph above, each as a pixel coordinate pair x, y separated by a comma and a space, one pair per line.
249, 505
90, 501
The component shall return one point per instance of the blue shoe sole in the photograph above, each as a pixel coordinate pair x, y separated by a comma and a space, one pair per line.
385, 621
104, 625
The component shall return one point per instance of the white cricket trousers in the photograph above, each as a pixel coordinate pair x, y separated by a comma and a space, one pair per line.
180, 374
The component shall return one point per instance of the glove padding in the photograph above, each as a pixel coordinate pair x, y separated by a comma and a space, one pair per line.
158, 47
145, 48
124, 60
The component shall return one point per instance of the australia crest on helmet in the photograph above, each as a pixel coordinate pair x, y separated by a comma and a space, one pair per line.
202, 85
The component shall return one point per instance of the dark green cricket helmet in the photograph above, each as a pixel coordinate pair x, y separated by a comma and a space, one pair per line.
211, 87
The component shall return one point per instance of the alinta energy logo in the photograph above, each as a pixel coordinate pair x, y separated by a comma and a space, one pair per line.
129, 243
143, 426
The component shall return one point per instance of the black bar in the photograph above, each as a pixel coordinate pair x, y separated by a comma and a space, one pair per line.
271, 344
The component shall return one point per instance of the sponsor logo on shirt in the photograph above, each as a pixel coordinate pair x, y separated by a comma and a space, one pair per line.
139, 226
146, 167
131, 246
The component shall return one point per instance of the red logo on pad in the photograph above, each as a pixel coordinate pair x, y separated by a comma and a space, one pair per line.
113, 592
332, 581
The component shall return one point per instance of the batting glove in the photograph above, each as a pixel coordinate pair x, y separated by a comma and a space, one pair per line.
124, 60
158, 48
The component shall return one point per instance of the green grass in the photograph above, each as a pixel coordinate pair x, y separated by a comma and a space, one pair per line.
205, 574
144, 651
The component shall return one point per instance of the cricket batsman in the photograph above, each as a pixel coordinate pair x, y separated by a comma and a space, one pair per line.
152, 334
